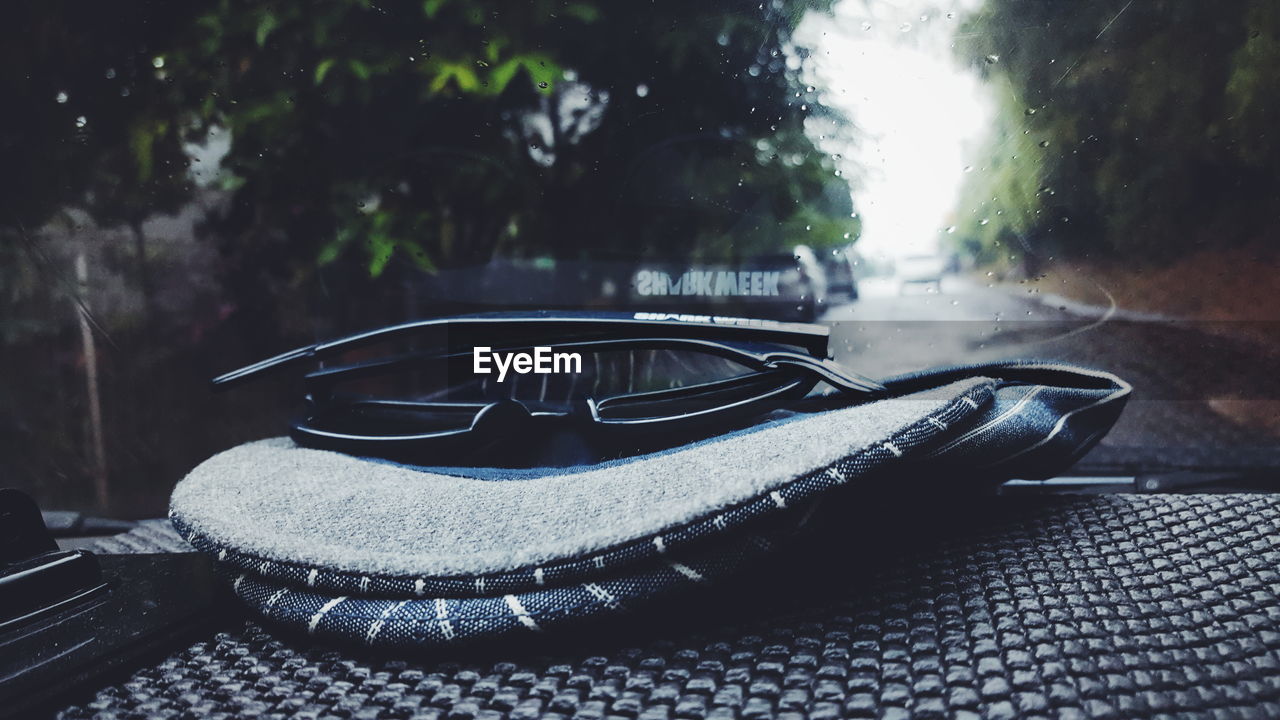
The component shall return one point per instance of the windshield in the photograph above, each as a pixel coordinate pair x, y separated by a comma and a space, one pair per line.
189, 187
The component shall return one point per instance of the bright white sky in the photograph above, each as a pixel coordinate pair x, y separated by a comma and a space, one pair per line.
920, 113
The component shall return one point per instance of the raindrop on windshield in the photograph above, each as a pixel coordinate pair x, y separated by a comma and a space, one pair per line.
992, 59
544, 85
951, 230
157, 62
1044, 143
82, 121
642, 90
61, 97
904, 27
866, 27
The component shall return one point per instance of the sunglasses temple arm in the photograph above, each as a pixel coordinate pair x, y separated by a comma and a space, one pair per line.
236, 377
830, 371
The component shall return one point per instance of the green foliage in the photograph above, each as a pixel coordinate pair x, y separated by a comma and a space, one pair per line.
1138, 130
467, 127
477, 126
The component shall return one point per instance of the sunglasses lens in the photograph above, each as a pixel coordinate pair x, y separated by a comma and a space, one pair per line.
384, 418
557, 379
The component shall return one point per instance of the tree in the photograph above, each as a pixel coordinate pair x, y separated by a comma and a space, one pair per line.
1136, 130
444, 131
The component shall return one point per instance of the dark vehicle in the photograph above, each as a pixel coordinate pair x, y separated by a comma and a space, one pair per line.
840, 265
781, 286
785, 286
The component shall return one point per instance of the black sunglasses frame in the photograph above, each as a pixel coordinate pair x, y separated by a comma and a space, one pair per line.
777, 374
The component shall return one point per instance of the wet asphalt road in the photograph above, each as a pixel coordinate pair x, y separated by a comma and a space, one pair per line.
1204, 394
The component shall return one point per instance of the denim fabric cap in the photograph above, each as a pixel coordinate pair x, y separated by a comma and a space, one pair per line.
391, 555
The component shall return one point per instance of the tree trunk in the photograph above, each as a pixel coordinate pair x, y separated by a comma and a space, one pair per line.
96, 450
144, 274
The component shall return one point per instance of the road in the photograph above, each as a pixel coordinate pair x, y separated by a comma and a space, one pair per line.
1203, 394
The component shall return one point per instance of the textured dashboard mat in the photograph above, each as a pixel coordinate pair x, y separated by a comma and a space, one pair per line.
920, 606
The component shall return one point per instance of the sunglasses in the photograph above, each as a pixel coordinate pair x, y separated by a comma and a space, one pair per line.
602, 384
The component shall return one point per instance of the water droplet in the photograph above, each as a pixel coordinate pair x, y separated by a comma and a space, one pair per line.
61, 97
110, 74
904, 27
544, 85
1029, 112
804, 108
992, 59
968, 168
951, 16
157, 62
642, 90
951, 230
82, 121
1044, 143
866, 27
984, 221
807, 228
846, 236
810, 88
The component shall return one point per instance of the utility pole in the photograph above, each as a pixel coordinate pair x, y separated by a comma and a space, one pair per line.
96, 450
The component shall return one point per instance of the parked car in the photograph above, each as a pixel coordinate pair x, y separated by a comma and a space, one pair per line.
840, 266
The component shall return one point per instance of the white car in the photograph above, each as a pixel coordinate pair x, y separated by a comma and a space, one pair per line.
920, 270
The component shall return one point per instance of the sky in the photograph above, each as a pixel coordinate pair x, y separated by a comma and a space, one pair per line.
890, 67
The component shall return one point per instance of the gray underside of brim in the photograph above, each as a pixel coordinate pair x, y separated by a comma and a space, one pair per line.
286, 503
